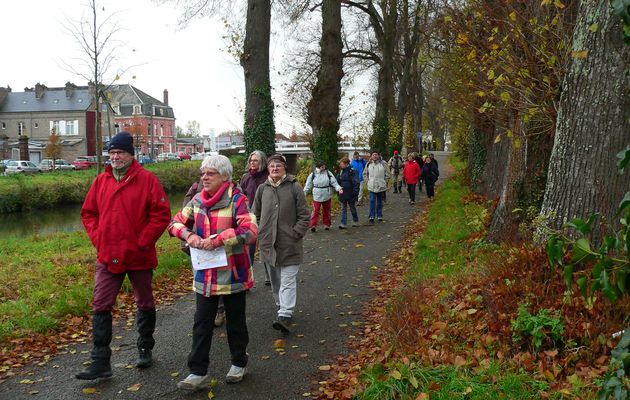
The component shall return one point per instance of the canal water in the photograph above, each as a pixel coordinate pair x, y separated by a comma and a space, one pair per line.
59, 219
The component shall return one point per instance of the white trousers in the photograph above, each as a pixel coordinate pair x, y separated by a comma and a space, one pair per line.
284, 288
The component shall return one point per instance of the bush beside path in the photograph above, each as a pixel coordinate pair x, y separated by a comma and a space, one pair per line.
335, 284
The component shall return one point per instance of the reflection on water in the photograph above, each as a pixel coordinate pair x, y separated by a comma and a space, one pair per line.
59, 219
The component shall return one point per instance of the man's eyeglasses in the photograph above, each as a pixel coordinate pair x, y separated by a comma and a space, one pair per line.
209, 173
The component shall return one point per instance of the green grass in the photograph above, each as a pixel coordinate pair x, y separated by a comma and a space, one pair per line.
44, 280
403, 382
443, 248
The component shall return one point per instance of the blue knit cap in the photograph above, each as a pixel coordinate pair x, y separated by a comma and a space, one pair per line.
122, 141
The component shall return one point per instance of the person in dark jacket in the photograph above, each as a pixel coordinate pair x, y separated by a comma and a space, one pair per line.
125, 212
429, 176
256, 175
349, 182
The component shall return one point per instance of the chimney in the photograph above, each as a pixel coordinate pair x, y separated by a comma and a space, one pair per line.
39, 90
165, 97
3, 94
70, 88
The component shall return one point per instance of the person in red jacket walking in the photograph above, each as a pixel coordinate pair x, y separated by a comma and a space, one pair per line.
125, 212
412, 173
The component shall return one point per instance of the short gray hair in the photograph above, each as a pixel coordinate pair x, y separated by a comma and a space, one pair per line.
261, 157
219, 162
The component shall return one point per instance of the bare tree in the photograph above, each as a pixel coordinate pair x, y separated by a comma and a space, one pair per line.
95, 35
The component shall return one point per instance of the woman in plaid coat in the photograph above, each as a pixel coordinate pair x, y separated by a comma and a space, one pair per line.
218, 217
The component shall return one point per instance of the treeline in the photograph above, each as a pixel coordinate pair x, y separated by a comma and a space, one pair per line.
533, 94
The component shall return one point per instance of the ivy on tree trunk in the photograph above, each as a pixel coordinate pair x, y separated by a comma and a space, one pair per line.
259, 129
323, 108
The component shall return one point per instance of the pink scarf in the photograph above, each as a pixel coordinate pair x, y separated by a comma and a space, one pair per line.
211, 201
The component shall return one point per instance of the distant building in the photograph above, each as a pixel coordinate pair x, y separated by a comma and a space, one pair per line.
38, 111
149, 120
70, 112
228, 141
190, 145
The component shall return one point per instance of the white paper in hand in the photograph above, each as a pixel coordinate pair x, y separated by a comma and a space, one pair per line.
206, 259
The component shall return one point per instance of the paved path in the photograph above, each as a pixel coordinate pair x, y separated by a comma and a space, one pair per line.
332, 291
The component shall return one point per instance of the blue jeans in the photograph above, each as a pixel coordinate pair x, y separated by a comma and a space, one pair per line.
376, 205
344, 212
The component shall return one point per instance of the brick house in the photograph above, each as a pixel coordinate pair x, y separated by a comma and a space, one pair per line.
150, 121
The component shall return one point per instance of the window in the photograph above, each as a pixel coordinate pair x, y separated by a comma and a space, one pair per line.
20, 128
36, 125
161, 131
65, 128
136, 109
4, 125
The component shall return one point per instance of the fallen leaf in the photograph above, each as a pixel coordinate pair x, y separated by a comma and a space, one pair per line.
89, 391
359, 245
174, 374
211, 395
324, 367
135, 387
422, 396
279, 344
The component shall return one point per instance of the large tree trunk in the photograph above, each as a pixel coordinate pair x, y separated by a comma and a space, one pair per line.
323, 108
259, 126
592, 122
385, 102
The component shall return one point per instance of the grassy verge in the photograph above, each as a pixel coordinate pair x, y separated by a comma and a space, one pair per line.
26, 192
436, 337
45, 281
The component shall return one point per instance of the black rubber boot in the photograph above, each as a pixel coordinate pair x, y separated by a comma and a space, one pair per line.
146, 327
101, 353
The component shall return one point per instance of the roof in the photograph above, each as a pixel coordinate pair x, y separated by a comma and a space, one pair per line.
54, 99
126, 96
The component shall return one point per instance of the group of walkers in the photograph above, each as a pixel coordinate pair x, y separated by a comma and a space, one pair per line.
126, 211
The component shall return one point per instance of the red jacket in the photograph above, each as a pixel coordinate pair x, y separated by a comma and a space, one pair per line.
412, 172
125, 219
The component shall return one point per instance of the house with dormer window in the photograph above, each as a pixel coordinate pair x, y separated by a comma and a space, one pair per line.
69, 112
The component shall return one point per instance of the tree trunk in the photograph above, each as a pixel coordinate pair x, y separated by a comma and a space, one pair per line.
592, 122
259, 127
504, 225
323, 108
385, 102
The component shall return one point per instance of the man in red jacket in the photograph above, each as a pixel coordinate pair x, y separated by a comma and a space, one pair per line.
124, 213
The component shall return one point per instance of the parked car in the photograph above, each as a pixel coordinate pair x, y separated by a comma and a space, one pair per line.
60, 165
197, 156
21, 167
168, 157
84, 162
3, 163
143, 160
183, 156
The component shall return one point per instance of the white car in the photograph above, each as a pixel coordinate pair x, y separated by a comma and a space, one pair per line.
20, 167
47, 165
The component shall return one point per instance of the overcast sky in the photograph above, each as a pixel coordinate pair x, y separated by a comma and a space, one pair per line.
204, 83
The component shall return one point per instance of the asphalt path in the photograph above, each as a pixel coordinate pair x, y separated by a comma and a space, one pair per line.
333, 289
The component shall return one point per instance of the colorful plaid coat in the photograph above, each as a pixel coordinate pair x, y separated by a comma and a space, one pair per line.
236, 230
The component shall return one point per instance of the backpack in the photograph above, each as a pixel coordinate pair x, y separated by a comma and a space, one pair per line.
396, 163
330, 175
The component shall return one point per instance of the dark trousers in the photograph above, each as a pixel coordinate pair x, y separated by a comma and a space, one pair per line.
236, 326
430, 189
411, 189
107, 285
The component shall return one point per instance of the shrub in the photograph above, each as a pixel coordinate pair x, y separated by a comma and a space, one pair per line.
545, 328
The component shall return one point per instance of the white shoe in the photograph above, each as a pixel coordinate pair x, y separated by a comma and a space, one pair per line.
194, 382
235, 374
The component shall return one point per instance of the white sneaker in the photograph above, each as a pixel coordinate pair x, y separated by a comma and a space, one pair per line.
235, 374
194, 382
